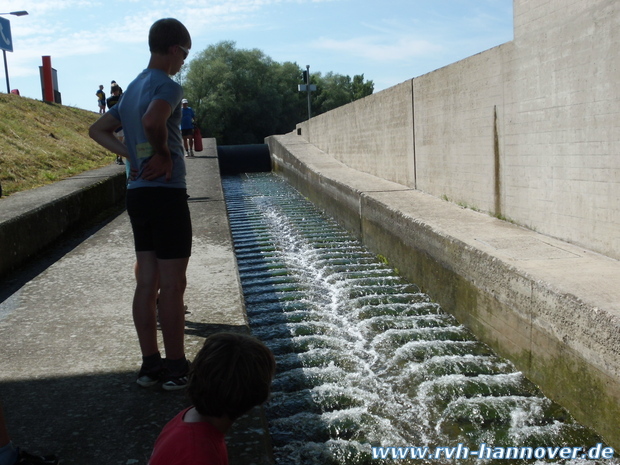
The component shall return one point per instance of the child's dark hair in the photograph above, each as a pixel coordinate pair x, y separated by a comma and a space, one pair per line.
167, 32
231, 374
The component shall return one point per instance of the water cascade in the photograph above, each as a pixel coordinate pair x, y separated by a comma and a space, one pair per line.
364, 358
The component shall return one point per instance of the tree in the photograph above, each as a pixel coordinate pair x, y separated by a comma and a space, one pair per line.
243, 96
335, 90
361, 89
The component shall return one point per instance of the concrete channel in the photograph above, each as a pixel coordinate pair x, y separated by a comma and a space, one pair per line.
550, 307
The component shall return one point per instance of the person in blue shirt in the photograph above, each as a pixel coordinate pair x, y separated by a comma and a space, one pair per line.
101, 99
187, 128
150, 114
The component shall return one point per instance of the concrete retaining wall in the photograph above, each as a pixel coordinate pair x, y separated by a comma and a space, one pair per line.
550, 307
27, 225
375, 135
527, 130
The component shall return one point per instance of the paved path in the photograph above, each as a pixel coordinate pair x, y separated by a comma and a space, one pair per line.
69, 353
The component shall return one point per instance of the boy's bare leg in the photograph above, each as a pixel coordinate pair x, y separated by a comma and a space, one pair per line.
172, 284
145, 302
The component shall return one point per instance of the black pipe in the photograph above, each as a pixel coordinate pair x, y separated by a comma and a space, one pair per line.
251, 158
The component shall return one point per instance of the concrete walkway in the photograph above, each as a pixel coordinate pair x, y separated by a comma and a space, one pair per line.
69, 353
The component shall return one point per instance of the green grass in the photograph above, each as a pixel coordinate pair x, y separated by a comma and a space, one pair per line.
42, 143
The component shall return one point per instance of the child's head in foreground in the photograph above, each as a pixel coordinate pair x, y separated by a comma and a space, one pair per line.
231, 374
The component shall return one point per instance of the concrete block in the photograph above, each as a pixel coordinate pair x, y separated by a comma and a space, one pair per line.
27, 225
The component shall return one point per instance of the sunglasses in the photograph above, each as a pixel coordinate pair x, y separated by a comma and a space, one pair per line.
185, 51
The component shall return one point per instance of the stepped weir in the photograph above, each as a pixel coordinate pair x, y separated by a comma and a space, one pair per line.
364, 358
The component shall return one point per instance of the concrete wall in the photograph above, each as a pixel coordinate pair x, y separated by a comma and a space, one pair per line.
549, 306
457, 116
527, 130
32, 220
374, 135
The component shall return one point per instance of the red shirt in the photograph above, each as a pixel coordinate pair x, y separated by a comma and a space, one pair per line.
181, 443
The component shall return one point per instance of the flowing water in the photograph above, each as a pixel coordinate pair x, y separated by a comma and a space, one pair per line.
364, 358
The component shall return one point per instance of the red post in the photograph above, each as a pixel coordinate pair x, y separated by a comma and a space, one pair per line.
48, 83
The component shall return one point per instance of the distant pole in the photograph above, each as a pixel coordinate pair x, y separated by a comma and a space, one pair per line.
307, 88
6, 72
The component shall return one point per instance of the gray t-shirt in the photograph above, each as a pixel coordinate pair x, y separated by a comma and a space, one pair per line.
151, 84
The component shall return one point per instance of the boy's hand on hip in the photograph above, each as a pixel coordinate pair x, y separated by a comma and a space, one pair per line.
156, 167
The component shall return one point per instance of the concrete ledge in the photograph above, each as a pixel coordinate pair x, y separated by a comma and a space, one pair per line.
32, 220
550, 307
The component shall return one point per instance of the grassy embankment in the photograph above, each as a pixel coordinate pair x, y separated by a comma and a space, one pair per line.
41, 143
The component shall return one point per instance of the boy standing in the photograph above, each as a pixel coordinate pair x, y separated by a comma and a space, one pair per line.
150, 114
231, 374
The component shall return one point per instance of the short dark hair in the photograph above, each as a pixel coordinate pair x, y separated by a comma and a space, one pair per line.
231, 374
167, 32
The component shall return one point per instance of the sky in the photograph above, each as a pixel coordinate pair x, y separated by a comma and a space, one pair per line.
93, 42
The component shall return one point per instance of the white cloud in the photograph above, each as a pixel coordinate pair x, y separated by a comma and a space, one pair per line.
378, 49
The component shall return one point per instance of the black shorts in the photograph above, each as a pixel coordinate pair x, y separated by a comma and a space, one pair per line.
160, 221
187, 132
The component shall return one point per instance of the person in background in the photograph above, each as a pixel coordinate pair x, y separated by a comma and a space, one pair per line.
187, 128
101, 99
113, 100
115, 97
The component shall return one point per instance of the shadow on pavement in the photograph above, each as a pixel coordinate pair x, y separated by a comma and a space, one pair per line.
105, 418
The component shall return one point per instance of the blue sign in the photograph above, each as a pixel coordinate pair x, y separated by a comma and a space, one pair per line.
6, 43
